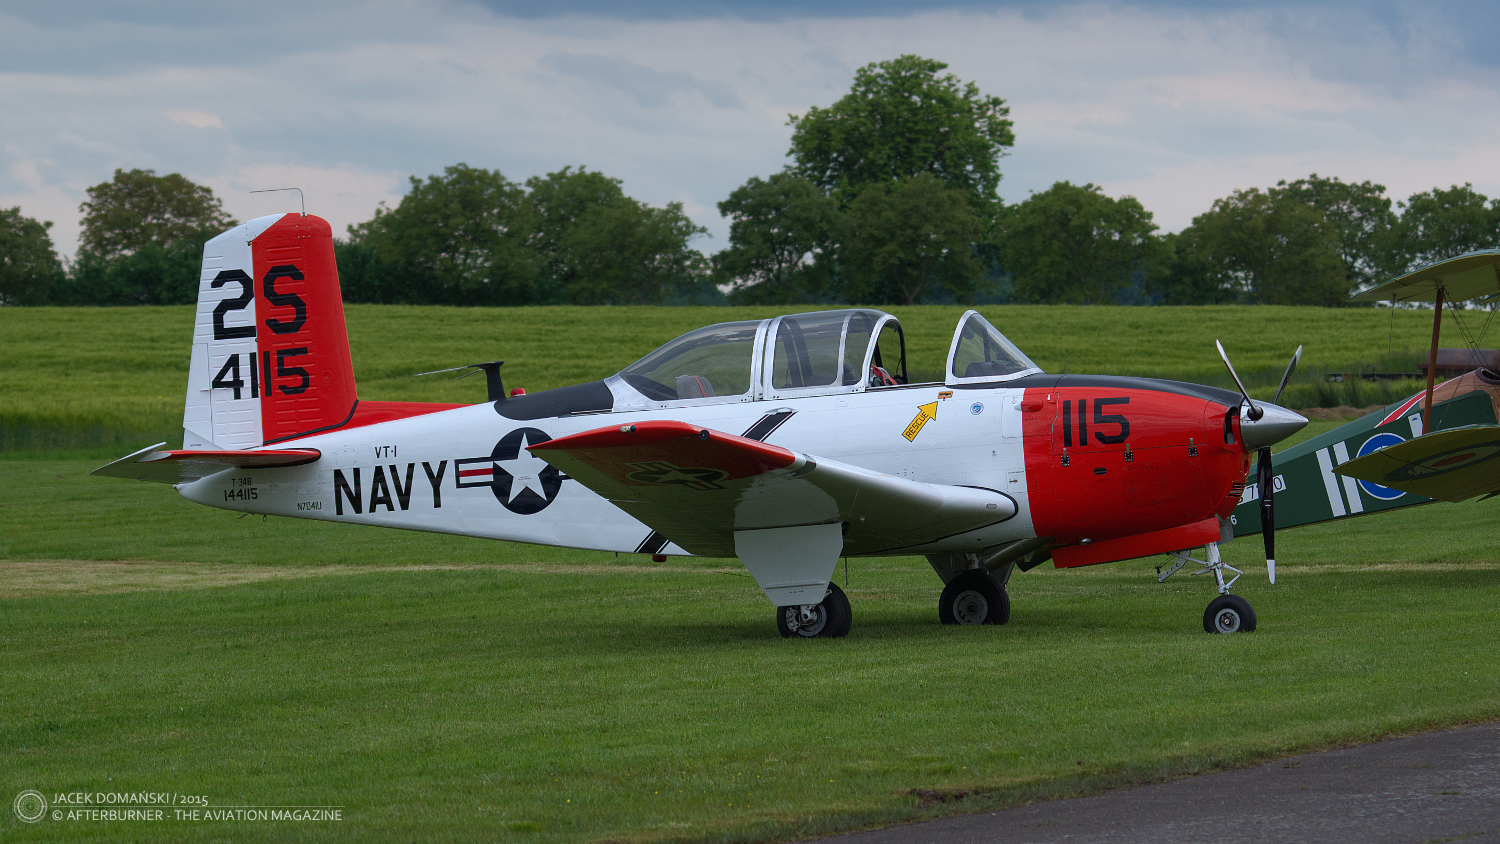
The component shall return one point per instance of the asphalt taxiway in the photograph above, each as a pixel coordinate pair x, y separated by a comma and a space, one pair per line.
1425, 789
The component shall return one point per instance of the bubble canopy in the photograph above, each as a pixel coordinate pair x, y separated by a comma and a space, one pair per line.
816, 353
812, 353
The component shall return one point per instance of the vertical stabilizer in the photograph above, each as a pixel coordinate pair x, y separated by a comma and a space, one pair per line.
270, 351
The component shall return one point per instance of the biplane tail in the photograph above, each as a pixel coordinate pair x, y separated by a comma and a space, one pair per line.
270, 356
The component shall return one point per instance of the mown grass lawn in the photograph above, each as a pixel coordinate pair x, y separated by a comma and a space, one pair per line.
442, 688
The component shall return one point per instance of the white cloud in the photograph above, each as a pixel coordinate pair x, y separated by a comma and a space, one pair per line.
195, 119
1175, 106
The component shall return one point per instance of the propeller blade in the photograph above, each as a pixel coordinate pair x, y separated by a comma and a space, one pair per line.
1296, 356
1255, 412
1265, 482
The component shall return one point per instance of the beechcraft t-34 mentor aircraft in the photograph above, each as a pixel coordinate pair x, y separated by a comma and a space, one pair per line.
785, 442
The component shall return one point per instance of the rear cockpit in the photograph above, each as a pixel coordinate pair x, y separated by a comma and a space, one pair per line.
817, 353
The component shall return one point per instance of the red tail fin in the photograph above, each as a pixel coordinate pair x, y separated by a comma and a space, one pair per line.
303, 344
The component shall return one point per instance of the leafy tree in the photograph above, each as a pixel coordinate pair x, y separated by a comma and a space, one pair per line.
902, 118
365, 278
631, 253
1439, 224
28, 264
559, 201
911, 238
1272, 247
153, 274
1187, 277
138, 207
782, 234
1361, 216
1071, 243
464, 233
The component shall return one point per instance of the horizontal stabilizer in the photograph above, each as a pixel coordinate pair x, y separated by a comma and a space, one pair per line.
1452, 465
698, 487
176, 467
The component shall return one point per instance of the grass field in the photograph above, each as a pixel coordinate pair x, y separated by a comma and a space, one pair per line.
443, 688
87, 377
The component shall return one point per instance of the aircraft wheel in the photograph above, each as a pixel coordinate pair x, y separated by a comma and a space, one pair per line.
974, 598
1229, 614
830, 619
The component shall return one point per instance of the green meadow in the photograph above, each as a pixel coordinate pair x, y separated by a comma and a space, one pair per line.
94, 377
442, 688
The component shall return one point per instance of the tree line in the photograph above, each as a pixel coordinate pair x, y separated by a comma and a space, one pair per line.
891, 197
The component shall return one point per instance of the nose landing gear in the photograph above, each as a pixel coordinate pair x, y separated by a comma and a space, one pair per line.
1226, 613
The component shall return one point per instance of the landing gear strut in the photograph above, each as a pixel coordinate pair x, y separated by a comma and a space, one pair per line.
1226, 613
829, 619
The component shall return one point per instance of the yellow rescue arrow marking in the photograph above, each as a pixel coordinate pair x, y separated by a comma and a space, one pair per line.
925, 413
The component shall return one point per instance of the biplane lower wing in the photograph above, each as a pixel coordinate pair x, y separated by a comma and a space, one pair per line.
718, 494
1452, 465
175, 467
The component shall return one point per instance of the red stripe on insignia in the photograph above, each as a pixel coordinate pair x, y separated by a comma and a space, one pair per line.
471, 472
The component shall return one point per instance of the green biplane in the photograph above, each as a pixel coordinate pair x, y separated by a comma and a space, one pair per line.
1440, 444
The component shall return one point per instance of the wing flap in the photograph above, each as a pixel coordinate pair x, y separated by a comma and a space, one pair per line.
1452, 465
697, 486
176, 466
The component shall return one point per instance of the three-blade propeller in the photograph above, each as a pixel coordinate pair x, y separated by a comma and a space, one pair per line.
1265, 476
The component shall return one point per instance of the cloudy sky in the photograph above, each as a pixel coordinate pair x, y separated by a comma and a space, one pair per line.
1175, 102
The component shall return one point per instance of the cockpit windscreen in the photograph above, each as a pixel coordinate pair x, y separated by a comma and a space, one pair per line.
983, 352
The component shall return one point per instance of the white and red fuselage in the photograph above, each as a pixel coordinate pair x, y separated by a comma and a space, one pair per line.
777, 434
1141, 459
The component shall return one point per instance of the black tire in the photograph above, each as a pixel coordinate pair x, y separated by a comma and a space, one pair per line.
1229, 614
974, 597
830, 619
840, 614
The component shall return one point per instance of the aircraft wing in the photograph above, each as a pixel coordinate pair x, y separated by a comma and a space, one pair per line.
175, 467
698, 488
1451, 465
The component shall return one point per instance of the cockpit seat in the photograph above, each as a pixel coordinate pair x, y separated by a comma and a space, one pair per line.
988, 369
694, 387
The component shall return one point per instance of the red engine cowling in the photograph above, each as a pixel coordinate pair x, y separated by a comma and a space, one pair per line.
1108, 463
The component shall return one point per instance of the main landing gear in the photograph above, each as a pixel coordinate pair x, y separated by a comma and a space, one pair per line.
1226, 613
829, 619
974, 597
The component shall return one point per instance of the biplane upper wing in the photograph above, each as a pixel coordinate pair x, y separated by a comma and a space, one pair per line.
1467, 276
718, 494
1451, 465
175, 467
